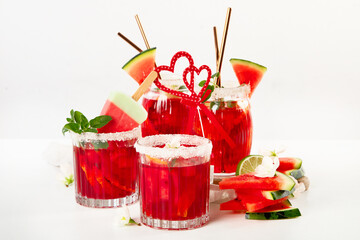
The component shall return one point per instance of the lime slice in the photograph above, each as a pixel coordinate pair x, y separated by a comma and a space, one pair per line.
248, 164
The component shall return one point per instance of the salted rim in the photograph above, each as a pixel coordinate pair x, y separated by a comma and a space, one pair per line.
103, 137
231, 93
146, 146
170, 79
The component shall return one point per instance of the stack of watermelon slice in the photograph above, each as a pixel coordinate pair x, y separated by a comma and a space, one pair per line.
265, 198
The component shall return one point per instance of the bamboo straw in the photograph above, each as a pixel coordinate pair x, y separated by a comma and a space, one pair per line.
223, 42
144, 36
142, 31
130, 42
216, 50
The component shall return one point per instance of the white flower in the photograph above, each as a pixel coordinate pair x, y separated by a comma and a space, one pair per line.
66, 174
175, 143
123, 218
299, 188
268, 167
272, 152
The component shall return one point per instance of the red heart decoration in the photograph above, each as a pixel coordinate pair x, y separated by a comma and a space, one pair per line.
193, 69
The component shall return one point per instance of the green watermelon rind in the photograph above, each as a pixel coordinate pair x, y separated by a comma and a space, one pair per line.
275, 195
273, 215
249, 63
296, 173
139, 57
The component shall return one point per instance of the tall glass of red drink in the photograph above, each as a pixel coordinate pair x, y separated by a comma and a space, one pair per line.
166, 113
174, 181
231, 108
106, 168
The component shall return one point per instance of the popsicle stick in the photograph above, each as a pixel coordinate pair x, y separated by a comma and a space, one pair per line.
223, 42
130, 42
145, 85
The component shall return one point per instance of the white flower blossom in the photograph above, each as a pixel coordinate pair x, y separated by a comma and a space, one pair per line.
123, 218
268, 167
299, 188
272, 152
66, 174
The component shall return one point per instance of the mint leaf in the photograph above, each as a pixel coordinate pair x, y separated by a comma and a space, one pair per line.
182, 87
217, 74
72, 114
100, 121
94, 130
75, 127
78, 123
202, 83
100, 145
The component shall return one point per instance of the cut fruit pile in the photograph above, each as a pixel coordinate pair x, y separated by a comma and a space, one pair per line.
264, 197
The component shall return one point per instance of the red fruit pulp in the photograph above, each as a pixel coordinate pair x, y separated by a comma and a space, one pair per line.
106, 173
174, 192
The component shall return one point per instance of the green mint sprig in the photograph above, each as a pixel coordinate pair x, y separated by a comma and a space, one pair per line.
210, 87
78, 123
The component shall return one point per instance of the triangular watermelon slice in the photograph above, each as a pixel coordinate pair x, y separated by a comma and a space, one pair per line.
140, 66
248, 72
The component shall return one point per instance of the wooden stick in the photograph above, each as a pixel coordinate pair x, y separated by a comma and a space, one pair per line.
145, 85
216, 51
130, 42
227, 21
142, 31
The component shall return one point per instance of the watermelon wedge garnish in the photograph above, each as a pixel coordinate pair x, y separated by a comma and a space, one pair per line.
140, 66
249, 181
248, 72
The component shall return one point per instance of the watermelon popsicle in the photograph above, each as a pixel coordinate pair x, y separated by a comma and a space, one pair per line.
125, 111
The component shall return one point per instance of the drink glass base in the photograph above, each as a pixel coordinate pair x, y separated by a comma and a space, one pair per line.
107, 203
174, 225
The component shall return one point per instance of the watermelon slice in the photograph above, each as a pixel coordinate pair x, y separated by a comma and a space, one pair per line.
253, 205
140, 66
295, 173
125, 112
289, 163
234, 205
262, 195
274, 212
248, 72
249, 181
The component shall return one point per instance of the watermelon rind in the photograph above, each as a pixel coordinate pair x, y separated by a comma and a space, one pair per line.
273, 215
138, 57
249, 63
296, 173
275, 195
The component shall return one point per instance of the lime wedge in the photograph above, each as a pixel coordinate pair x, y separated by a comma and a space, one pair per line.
248, 164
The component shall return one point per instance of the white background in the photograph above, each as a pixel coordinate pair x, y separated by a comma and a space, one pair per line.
58, 55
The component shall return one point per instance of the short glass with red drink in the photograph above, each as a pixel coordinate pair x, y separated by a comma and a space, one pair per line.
231, 108
106, 168
174, 181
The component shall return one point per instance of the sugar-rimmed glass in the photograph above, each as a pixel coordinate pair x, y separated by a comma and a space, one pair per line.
106, 168
174, 181
231, 107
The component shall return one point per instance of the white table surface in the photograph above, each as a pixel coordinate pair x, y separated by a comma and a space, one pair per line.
35, 205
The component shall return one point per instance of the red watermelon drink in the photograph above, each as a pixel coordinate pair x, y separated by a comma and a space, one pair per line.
166, 113
231, 108
106, 168
174, 181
